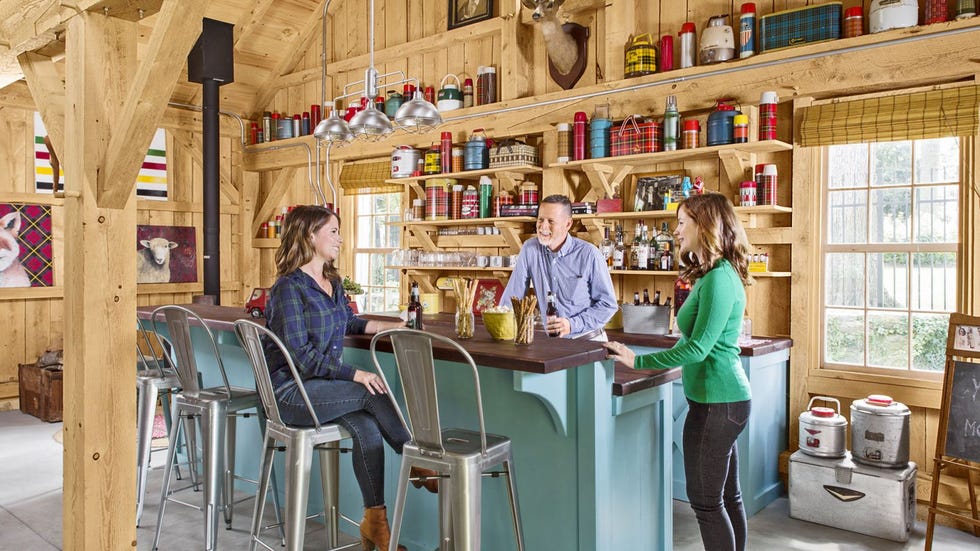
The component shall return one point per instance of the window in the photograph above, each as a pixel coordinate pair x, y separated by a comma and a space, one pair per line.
375, 239
889, 252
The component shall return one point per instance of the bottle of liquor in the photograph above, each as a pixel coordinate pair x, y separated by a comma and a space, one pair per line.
666, 259
619, 253
646, 296
663, 236
551, 312
636, 298
607, 246
414, 308
634, 250
656, 298
642, 248
667, 302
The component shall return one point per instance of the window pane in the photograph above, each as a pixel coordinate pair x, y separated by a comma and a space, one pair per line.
362, 268
847, 165
377, 276
891, 211
936, 214
888, 339
394, 235
845, 279
891, 164
391, 300
363, 232
844, 337
848, 220
937, 161
391, 278
888, 277
934, 281
364, 203
380, 232
929, 341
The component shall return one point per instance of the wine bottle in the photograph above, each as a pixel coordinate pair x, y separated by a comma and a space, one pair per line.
414, 308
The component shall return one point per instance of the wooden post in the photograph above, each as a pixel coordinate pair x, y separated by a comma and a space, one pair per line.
100, 296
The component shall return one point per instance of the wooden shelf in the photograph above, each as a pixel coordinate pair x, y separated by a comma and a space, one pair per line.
466, 222
671, 273
643, 215
512, 175
266, 243
771, 274
450, 269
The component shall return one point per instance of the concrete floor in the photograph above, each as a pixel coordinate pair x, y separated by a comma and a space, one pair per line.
30, 510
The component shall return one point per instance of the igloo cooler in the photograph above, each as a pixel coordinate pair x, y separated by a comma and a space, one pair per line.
840, 493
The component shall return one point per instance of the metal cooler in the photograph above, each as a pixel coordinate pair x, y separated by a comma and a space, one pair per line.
840, 493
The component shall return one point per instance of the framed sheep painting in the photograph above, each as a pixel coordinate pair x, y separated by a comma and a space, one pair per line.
25, 246
166, 254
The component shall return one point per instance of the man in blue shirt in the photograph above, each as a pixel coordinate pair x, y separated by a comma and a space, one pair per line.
572, 269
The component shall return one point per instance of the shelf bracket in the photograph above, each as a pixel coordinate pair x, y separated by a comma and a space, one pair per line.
606, 178
426, 280
594, 227
511, 232
422, 233
513, 179
735, 164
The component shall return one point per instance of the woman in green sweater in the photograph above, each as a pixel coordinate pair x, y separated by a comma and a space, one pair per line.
714, 250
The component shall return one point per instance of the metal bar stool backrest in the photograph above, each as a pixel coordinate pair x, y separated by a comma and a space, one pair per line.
178, 320
416, 369
153, 352
251, 335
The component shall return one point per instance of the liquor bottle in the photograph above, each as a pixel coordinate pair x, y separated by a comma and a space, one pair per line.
619, 253
607, 246
636, 298
667, 302
666, 259
646, 296
643, 249
551, 312
414, 308
635, 250
662, 237
656, 298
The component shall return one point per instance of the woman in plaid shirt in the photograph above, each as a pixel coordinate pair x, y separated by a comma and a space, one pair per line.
307, 309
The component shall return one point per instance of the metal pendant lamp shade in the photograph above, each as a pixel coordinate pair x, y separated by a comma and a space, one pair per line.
418, 115
333, 129
370, 123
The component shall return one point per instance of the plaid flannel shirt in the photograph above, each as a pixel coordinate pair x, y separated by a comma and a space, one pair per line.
312, 325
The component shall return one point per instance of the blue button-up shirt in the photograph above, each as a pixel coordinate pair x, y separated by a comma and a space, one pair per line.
576, 274
312, 325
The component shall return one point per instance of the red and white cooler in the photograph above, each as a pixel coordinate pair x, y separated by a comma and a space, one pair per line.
837, 492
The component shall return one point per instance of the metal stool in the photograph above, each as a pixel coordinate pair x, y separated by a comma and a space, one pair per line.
462, 457
299, 442
153, 378
216, 408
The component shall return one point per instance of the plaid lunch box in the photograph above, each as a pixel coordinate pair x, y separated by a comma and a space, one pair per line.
635, 135
512, 152
796, 27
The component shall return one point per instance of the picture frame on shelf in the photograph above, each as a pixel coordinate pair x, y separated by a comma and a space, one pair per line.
648, 189
465, 12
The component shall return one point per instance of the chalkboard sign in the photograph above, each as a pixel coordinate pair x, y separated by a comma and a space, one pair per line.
963, 430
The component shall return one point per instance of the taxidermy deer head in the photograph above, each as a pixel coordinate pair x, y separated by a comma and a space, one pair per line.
566, 44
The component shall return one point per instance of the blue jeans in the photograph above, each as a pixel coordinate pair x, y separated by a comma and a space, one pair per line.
368, 418
711, 466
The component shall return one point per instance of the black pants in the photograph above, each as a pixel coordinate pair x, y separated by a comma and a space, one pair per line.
711, 466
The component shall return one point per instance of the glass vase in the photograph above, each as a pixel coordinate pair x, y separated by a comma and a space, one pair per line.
464, 324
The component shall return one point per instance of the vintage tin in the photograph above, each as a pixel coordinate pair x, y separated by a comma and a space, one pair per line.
641, 56
796, 27
880, 431
823, 430
851, 496
404, 159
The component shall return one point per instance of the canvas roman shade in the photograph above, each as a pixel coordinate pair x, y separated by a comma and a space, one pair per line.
936, 113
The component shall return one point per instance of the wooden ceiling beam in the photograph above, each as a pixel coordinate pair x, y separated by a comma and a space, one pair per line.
177, 28
48, 89
192, 144
250, 20
294, 53
18, 96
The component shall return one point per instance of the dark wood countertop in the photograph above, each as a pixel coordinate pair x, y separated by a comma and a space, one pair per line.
545, 355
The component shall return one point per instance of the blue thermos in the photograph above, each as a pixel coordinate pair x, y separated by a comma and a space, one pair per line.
721, 123
477, 154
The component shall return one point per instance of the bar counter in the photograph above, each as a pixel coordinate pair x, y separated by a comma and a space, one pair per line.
592, 442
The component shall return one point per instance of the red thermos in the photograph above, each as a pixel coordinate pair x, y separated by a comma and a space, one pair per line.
579, 136
666, 53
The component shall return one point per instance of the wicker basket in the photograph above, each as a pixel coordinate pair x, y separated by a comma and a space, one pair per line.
501, 325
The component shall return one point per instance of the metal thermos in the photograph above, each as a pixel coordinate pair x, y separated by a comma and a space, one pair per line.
823, 430
687, 45
880, 432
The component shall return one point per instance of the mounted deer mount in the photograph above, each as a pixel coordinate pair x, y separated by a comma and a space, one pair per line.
567, 44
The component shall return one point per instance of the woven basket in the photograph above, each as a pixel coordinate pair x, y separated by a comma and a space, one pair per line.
501, 325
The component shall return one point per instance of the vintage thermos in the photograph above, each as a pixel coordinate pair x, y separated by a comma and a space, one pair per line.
687, 44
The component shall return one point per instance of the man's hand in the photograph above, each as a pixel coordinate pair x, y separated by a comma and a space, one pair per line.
558, 325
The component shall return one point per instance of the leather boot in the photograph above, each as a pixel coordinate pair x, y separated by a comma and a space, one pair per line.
375, 533
432, 482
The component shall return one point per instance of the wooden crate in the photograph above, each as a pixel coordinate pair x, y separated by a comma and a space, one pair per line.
41, 392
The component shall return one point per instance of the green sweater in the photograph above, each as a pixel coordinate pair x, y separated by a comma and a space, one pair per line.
710, 321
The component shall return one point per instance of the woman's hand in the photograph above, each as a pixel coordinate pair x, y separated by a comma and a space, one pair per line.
620, 352
371, 381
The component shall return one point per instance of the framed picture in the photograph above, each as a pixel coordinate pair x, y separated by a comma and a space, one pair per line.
966, 338
650, 190
464, 12
166, 254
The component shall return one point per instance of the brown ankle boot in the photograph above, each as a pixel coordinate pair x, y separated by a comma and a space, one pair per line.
432, 479
375, 533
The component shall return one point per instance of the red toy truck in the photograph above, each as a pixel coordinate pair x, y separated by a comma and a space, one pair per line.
256, 303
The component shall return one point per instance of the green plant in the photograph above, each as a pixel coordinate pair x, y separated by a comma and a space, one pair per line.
352, 287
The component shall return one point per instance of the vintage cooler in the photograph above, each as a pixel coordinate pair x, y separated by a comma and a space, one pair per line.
514, 153
796, 27
635, 135
847, 495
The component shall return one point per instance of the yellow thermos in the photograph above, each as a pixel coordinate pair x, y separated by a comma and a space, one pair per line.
641, 56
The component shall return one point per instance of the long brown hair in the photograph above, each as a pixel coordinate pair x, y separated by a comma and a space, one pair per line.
296, 246
720, 235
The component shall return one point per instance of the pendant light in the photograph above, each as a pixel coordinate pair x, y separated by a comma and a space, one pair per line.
369, 122
418, 115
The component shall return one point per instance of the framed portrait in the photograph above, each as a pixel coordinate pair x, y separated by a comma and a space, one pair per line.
651, 189
166, 254
464, 12
966, 338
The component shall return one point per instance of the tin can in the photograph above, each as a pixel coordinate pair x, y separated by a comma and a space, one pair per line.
437, 198
433, 161
747, 193
529, 194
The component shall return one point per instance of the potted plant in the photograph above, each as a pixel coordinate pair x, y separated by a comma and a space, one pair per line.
351, 289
